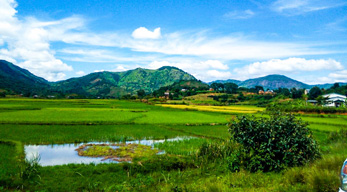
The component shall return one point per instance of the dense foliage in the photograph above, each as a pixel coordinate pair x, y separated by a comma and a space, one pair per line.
305, 108
274, 143
181, 89
116, 84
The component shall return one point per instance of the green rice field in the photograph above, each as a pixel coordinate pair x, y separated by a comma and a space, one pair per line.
49, 122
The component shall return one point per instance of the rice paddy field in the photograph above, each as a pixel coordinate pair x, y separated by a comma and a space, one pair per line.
177, 131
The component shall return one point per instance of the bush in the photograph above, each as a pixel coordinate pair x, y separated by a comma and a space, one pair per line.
271, 144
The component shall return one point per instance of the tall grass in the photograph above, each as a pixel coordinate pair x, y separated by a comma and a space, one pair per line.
187, 146
11, 160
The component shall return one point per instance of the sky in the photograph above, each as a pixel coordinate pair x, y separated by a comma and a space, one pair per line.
210, 39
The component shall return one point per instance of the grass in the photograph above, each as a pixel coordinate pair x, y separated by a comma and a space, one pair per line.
49, 134
41, 121
187, 146
123, 152
11, 161
233, 109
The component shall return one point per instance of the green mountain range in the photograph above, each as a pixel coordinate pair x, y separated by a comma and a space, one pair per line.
14, 79
18, 80
106, 84
274, 82
117, 84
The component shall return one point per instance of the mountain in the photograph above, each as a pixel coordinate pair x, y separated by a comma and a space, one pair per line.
17, 80
226, 81
268, 82
117, 84
273, 82
187, 84
328, 85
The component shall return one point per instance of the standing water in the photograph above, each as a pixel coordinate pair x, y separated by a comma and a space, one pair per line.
60, 154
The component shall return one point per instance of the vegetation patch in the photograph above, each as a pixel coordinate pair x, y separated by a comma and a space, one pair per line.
271, 144
220, 109
117, 152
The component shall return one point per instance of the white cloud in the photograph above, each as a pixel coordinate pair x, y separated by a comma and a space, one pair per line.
190, 65
28, 44
290, 65
297, 7
144, 33
214, 74
203, 70
100, 56
228, 47
239, 14
340, 76
80, 73
336, 26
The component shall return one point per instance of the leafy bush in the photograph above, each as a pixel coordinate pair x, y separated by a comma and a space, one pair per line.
271, 144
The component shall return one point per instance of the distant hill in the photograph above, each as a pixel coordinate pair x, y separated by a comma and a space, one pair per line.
268, 82
328, 85
188, 84
273, 82
226, 81
120, 83
17, 80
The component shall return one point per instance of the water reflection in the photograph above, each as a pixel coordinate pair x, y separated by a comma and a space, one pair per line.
60, 154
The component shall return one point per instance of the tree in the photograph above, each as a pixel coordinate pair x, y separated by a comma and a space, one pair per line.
335, 86
270, 144
297, 93
218, 87
283, 91
141, 93
314, 92
258, 88
230, 88
241, 97
321, 100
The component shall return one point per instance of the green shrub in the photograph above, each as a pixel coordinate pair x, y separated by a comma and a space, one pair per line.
274, 143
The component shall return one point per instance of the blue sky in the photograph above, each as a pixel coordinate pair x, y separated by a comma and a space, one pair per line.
59, 39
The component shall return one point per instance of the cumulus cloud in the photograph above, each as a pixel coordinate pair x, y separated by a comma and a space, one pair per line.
28, 44
290, 65
144, 33
239, 14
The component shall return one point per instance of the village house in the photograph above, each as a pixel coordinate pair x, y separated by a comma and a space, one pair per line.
334, 100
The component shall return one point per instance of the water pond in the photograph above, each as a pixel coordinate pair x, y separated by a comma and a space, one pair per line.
60, 154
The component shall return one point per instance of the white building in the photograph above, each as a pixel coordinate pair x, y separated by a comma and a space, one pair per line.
334, 100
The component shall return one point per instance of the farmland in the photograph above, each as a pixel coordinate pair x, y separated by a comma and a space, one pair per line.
181, 168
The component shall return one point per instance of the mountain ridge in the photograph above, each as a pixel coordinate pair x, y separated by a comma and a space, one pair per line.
19, 80
115, 84
273, 82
